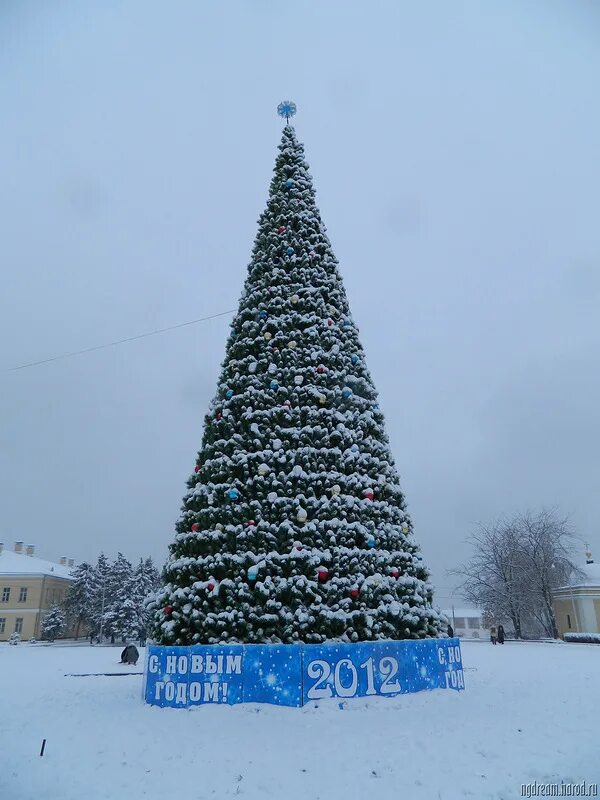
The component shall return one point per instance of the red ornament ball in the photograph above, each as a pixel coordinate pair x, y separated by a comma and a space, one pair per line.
368, 494
251, 523
330, 321
210, 586
168, 609
195, 527
323, 574
197, 469
218, 416
354, 592
320, 370
394, 572
281, 229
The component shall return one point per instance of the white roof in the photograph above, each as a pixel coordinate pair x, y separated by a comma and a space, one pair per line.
591, 577
20, 564
462, 612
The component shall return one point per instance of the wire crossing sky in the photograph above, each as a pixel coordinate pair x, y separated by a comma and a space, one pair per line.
120, 341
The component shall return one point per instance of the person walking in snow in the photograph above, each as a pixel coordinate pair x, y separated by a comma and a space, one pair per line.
450, 632
493, 634
500, 634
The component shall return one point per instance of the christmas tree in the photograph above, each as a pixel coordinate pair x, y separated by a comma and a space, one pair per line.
294, 526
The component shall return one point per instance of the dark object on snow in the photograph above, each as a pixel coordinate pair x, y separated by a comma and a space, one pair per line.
583, 638
101, 674
130, 655
451, 631
493, 634
501, 634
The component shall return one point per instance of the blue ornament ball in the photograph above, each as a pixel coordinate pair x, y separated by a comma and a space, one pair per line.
229, 393
233, 494
346, 393
354, 448
274, 385
262, 315
289, 183
290, 251
354, 359
371, 541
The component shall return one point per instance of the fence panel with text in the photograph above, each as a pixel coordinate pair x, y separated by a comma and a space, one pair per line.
381, 668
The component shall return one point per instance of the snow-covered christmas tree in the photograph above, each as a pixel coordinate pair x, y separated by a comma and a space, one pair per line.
294, 527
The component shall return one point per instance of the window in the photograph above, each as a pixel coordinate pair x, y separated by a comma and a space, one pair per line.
6, 594
2, 624
18, 624
473, 623
460, 622
569, 620
22, 594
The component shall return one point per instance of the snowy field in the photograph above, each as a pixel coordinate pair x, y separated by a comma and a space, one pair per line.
529, 712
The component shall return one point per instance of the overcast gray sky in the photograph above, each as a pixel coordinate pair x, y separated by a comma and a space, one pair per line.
455, 152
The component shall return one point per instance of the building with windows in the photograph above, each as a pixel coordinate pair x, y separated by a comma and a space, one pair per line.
29, 586
467, 623
577, 605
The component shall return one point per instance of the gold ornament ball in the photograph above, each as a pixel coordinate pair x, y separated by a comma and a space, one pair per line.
292, 345
295, 299
267, 336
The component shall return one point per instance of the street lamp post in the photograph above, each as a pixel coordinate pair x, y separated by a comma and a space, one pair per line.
102, 609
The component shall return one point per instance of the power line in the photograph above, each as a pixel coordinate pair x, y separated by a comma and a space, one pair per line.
119, 341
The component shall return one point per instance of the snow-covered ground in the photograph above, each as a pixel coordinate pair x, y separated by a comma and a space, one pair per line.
529, 712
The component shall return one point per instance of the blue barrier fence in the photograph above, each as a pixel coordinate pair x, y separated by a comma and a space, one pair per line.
295, 674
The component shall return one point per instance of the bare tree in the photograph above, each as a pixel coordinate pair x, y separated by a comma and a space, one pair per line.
546, 544
516, 563
491, 578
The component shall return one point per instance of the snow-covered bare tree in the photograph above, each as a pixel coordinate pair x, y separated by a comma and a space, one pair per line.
492, 578
516, 563
546, 547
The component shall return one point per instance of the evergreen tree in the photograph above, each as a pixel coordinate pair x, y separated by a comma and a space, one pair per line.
294, 526
100, 595
53, 624
119, 619
145, 582
80, 597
